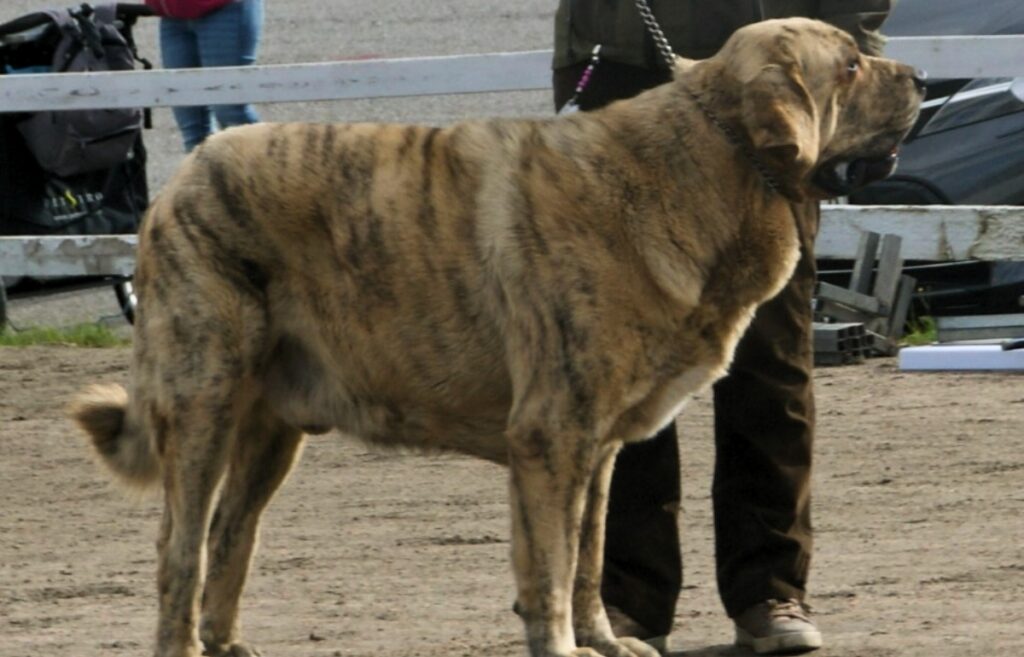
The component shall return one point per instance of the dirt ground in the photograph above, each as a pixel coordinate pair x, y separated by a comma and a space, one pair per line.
920, 537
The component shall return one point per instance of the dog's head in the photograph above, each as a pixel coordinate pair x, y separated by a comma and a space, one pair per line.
822, 117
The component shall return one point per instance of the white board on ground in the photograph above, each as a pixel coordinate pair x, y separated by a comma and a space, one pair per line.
967, 357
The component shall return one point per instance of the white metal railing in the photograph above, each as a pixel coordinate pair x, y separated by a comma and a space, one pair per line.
930, 232
941, 57
937, 233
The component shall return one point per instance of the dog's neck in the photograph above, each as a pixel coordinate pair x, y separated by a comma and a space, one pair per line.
706, 139
675, 150
733, 137
703, 84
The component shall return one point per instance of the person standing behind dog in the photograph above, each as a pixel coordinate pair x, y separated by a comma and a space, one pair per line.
200, 33
764, 408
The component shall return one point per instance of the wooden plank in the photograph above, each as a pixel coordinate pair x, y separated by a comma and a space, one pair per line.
380, 78
837, 312
890, 267
961, 357
980, 327
976, 321
864, 263
933, 232
901, 307
67, 255
929, 233
942, 57
862, 302
984, 334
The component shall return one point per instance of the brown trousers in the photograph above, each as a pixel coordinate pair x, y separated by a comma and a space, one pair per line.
764, 423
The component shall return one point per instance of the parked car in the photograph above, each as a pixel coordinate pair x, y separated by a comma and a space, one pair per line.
966, 149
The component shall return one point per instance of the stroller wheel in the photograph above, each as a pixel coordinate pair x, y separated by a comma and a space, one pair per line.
126, 298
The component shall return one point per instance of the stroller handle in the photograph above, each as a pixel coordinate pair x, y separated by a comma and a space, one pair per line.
128, 12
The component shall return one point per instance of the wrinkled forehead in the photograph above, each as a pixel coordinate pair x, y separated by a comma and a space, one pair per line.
800, 41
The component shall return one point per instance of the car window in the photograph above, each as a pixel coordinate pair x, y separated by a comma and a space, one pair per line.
978, 100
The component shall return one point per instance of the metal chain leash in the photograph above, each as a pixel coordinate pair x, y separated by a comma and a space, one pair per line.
664, 47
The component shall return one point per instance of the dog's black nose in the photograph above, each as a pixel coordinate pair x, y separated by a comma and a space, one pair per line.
920, 79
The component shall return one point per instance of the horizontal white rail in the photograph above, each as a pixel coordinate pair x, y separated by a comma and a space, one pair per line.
380, 78
929, 233
941, 57
56, 255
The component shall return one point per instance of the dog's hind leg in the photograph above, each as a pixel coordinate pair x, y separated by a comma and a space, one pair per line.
261, 457
194, 440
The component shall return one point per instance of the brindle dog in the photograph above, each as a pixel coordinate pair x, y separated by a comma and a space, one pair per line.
534, 292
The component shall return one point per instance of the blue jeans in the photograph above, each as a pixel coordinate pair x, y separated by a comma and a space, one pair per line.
228, 37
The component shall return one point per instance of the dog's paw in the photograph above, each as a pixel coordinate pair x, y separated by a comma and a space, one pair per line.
624, 647
239, 649
638, 647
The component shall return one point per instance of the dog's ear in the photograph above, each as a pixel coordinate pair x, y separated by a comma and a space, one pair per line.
781, 120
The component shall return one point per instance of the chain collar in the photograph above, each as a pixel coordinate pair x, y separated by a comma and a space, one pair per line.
730, 134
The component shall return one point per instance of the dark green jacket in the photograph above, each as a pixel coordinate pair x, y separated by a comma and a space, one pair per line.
695, 28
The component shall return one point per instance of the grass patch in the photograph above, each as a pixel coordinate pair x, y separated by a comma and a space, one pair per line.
922, 332
80, 335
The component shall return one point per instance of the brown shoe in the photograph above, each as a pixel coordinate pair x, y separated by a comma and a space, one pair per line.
777, 627
623, 625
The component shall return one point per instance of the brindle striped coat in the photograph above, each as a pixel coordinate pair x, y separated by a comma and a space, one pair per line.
531, 292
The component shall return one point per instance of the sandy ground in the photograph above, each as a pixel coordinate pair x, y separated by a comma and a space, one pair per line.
920, 540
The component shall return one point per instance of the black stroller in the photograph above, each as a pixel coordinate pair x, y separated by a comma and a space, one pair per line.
52, 188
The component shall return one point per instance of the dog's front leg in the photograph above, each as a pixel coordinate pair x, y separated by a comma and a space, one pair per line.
590, 620
547, 488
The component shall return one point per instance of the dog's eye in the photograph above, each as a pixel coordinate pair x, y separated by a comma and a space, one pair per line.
853, 66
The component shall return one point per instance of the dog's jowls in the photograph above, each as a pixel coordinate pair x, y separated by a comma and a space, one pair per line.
535, 292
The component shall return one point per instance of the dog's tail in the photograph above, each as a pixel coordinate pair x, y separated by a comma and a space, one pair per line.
101, 411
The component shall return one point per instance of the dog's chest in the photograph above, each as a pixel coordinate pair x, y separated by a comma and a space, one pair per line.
663, 403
